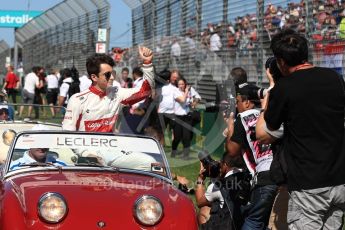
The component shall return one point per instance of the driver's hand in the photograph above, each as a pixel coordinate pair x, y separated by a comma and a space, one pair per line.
145, 54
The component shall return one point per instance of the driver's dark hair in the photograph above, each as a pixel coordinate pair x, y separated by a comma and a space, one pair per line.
137, 70
290, 46
93, 63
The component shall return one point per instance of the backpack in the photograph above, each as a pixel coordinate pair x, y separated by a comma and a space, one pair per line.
220, 218
235, 190
73, 88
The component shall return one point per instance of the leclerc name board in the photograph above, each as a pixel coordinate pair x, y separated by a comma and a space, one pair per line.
16, 18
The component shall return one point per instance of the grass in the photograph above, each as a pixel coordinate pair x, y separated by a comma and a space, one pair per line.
44, 113
43, 116
188, 168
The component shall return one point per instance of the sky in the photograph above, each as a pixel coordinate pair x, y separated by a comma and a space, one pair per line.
120, 19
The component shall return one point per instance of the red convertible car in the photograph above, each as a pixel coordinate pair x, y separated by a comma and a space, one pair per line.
71, 180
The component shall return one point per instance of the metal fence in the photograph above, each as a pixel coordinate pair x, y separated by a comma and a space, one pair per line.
64, 35
4, 52
184, 34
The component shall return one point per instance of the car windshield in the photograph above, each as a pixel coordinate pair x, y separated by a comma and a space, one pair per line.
106, 151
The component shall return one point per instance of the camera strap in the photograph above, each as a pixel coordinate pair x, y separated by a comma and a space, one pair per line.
254, 180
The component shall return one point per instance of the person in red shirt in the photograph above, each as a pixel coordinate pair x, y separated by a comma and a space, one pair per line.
11, 84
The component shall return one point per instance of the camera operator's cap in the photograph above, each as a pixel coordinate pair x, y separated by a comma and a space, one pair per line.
250, 91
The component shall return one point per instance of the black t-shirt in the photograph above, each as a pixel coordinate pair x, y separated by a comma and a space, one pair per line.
239, 135
310, 103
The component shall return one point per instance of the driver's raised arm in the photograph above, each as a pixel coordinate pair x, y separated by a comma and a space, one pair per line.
134, 95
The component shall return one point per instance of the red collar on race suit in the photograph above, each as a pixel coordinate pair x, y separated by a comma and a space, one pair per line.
96, 91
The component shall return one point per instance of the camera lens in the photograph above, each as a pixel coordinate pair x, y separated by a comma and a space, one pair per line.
269, 61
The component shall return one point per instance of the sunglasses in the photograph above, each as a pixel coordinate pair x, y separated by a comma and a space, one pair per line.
107, 75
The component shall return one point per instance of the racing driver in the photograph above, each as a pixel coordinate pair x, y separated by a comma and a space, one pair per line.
96, 109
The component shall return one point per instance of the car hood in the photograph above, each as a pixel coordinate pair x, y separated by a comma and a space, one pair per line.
95, 196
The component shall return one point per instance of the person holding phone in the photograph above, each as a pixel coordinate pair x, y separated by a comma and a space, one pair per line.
182, 125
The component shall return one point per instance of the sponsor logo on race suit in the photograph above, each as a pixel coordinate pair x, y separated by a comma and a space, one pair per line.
101, 125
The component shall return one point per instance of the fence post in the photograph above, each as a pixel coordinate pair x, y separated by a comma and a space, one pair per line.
260, 22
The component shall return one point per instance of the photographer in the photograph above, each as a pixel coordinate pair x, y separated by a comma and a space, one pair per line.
239, 77
279, 209
226, 184
263, 134
310, 102
241, 139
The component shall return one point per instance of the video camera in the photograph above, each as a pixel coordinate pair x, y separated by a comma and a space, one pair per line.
226, 106
185, 189
212, 167
254, 92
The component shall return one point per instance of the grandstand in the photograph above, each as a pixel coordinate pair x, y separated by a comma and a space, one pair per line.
245, 28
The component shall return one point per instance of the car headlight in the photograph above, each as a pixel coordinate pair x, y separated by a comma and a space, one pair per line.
52, 207
148, 210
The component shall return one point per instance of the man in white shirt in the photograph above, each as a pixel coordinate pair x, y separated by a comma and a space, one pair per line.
31, 82
175, 53
52, 89
85, 82
215, 43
